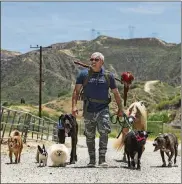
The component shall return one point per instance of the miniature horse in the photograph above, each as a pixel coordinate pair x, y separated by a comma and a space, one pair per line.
138, 112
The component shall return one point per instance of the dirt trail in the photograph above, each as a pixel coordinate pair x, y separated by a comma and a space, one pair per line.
150, 85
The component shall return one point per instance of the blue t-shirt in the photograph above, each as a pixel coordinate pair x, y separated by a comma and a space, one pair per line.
96, 88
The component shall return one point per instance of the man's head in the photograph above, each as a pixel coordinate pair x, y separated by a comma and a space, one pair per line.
97, 60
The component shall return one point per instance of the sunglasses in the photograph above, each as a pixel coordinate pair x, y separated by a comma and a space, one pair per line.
96, 59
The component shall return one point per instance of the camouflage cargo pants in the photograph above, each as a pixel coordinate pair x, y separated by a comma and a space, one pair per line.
100, 120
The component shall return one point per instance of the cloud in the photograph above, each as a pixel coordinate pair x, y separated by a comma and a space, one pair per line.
150, 8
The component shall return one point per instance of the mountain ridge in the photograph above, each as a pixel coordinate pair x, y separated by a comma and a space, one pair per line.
147, 58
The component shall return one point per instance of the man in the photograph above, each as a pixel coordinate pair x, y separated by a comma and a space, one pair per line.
96, 109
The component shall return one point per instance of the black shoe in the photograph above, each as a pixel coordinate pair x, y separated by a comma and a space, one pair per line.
102, 162
91, 163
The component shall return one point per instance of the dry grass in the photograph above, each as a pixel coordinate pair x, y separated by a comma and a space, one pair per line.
63, 105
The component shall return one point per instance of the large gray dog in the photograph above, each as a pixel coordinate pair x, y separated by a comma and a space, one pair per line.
167, 143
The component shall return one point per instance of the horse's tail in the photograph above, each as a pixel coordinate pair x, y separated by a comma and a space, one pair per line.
118, 143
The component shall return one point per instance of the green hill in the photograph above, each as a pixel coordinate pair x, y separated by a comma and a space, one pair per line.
146, 58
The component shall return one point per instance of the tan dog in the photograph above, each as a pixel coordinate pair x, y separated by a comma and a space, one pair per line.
15, 145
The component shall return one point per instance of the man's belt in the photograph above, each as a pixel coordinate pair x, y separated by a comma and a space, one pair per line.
99, 101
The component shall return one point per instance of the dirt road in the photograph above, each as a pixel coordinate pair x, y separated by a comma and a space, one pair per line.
117, 172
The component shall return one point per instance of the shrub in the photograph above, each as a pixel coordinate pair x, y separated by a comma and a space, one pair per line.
159, 116
62, 93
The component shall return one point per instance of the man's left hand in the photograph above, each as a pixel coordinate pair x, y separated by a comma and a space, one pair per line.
120, 113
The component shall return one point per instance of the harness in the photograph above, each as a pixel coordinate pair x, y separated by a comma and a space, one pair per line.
59, 125
138, 138
86, 100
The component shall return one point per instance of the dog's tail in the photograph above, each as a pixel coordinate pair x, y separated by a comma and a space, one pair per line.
15, 133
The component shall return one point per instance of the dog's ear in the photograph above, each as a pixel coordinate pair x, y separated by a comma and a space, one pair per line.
39, 148
60, 117
166, 137
43, 147
72, 117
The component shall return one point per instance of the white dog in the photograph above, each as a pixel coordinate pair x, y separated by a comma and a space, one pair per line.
57, 155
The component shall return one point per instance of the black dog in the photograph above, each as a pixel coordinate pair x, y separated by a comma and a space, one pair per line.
167, 143
68, 127
134, 143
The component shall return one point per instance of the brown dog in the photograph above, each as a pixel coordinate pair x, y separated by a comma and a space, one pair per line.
15, 145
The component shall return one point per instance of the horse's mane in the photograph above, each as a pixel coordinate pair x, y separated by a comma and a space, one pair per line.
141, 107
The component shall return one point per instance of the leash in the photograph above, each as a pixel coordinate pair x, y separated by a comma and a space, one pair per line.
117, 120
121, 123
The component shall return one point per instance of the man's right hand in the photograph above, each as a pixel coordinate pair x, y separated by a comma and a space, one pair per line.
74, 111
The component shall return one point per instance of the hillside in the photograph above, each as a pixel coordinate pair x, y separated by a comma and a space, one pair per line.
146, 58
7, 55
162, 98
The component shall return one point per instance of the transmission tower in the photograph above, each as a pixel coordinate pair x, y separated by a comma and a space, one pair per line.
154, 35
93, 34
131, 31
98, 33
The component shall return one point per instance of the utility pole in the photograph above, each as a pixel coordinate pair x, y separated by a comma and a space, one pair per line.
40, 79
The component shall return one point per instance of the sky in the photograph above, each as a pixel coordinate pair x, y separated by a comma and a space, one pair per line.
45, 23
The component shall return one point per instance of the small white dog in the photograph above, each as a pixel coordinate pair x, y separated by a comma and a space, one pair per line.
57, 155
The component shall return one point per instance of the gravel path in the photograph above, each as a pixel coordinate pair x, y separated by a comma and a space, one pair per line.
149, 85
29, 172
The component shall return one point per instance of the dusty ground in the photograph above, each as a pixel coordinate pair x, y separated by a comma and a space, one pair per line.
117, 172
